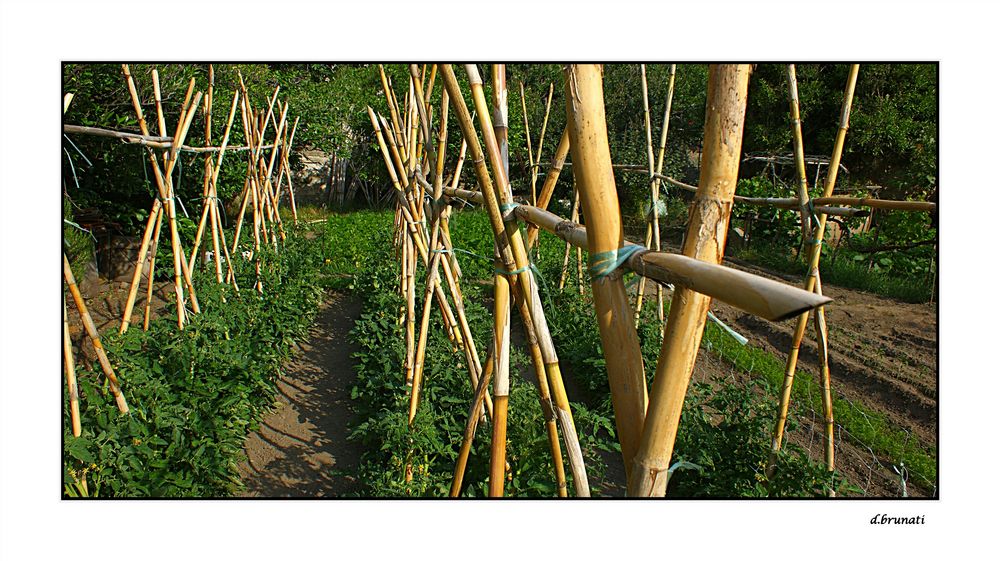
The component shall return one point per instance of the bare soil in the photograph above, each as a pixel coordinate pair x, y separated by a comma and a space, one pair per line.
301, 448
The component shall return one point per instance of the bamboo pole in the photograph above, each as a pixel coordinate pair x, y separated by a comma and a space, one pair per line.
501, 295
73, 390
527, 143
574, 217
595, 180
472, 420
152, 272
705, 240
812, 282
95, 338
501, 383
800, 158
656, 189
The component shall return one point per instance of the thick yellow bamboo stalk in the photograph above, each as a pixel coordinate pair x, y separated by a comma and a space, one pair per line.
705, 241
811, 282
588, 133
95, 338
71, 387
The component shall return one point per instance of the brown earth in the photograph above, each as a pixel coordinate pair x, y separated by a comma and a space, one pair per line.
301, 448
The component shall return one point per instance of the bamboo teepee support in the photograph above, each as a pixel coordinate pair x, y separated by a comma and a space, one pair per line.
656, 190
95, 338
588, 133
515, 245
811, 283
410, 226
705, 240
165, 189
654, 200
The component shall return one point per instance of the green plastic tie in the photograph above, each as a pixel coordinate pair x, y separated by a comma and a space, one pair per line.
604, 263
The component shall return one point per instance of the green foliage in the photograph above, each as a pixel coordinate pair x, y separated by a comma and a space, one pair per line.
194, 394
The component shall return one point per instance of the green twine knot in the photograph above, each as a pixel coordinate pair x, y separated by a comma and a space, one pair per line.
506, 211
604, 263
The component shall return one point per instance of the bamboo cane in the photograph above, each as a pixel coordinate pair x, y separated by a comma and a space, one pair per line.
656, 189
472, 420
501, 383
595, 181
73, 390
152, 272
95, 338
501, 301
527, 144
800, 159
705, 240
574, 217
811, 282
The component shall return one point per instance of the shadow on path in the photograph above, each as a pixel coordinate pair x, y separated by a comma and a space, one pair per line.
303, 441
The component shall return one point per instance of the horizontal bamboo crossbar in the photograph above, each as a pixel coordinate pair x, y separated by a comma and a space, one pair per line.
821, 204
769, 299
165, 142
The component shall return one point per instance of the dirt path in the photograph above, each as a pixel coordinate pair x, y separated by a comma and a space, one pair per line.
301, 448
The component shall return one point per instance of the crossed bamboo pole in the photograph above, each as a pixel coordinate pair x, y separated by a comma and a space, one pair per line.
515, 262
652, 225
813, 283
165, 201
95, 339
